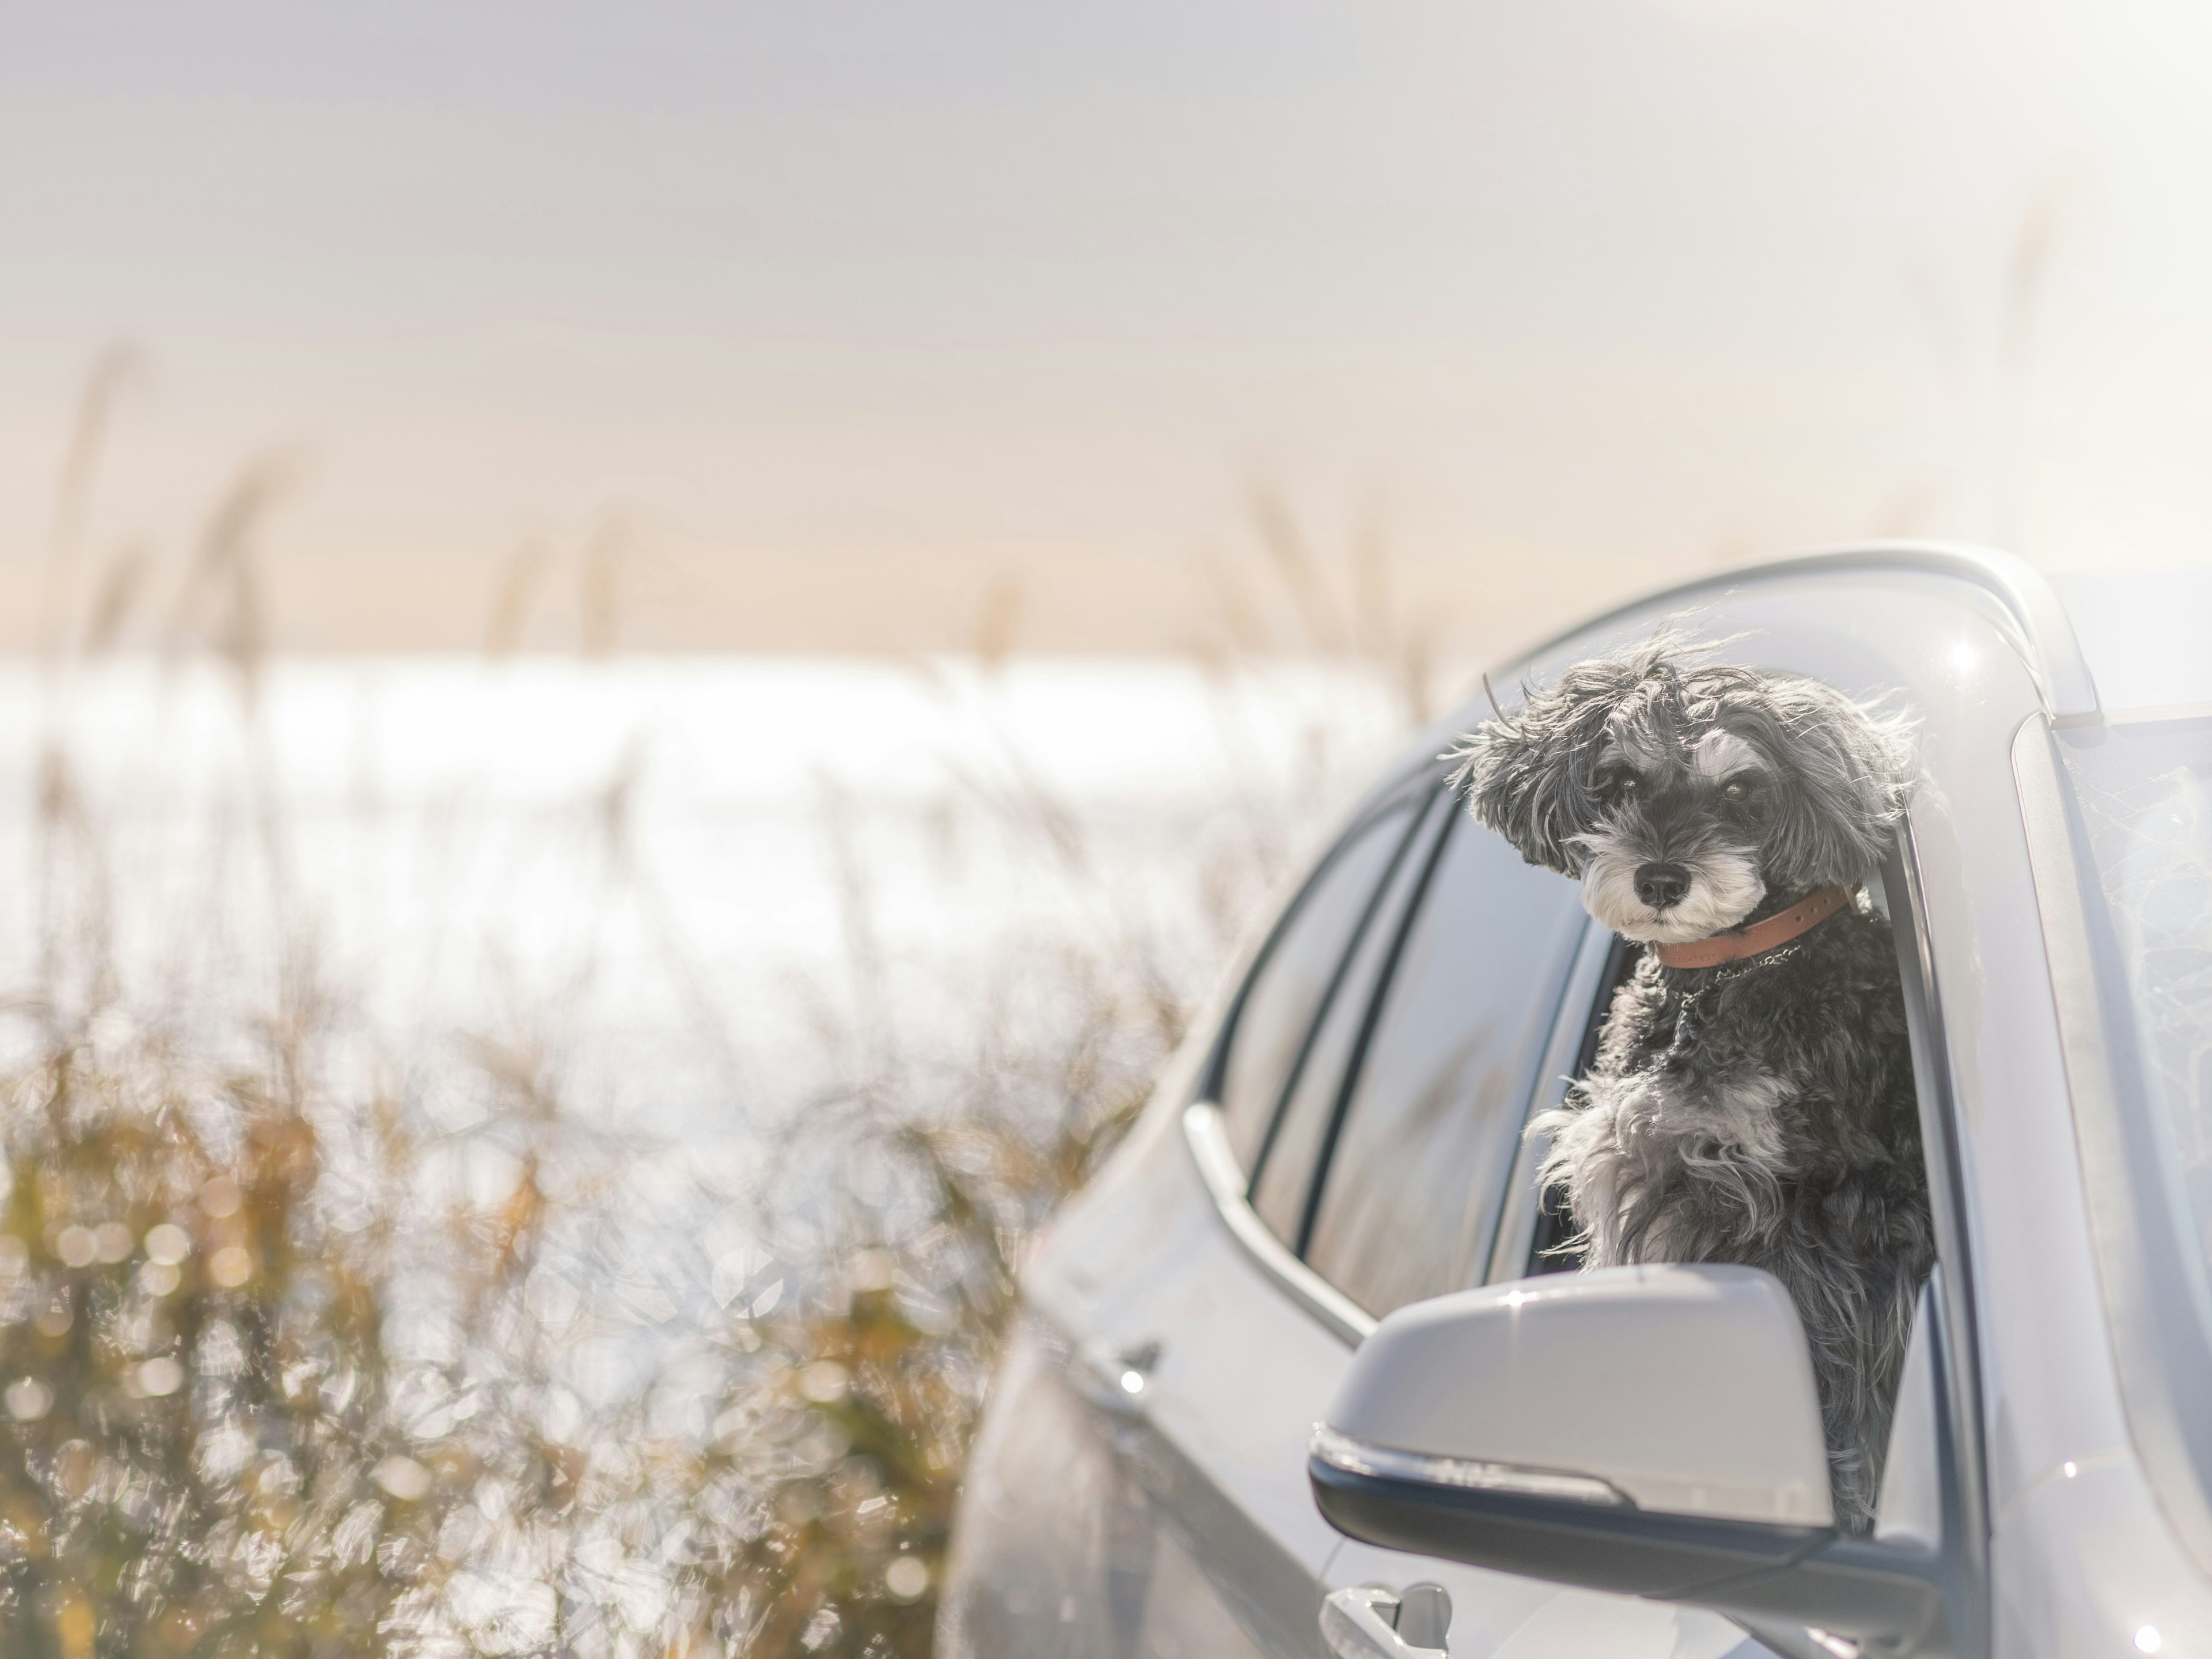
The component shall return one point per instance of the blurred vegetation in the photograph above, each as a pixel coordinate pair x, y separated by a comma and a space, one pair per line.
293, 1362
268, 1390
200, 1455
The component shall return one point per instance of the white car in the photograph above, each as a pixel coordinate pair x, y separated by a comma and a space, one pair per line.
1292, 1378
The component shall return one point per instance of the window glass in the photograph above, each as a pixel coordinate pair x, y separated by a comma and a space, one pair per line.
1428, 1138
1296, 972
1287, 1162
2145, 790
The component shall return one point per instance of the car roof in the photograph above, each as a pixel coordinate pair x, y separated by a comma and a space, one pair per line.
2109, 645
2099, 644
2094, 647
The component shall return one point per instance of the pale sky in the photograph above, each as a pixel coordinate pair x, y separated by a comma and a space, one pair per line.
1568, 295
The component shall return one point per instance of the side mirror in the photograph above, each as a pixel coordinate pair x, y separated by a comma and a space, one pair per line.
1652, 1430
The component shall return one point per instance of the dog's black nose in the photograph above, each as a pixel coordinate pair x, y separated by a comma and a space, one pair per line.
1659, 885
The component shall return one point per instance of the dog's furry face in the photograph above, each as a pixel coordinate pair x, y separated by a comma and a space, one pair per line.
1681, 794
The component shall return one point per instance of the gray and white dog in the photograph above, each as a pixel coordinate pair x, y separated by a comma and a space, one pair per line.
1754, 1102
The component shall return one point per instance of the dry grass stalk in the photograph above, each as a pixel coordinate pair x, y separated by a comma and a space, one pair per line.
294, 1361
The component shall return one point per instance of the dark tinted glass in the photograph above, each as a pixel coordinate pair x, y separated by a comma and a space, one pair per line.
1301, 1133
1428, 1142
1289, 986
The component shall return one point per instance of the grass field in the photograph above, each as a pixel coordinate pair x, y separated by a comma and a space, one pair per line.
518, 1156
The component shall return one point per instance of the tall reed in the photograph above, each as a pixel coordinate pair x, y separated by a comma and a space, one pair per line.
296, 1359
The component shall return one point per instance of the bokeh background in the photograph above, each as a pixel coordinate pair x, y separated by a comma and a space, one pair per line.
821, 325
650, 658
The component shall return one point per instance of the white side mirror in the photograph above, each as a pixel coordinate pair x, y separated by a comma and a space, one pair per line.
1653, 1431
1681, 1389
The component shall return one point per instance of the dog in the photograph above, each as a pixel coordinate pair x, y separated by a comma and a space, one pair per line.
1752, 1100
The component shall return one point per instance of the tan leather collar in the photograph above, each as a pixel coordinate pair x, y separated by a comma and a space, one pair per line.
1760, 937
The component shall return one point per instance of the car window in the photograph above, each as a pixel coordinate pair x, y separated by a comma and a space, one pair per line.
1299, 1138
1428, 1132
1296, 971
2144, 790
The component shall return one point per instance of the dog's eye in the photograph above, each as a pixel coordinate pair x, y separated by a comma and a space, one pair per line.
1625, 785
1735, 789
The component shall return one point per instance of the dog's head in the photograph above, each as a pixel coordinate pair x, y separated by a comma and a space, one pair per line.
1681, 792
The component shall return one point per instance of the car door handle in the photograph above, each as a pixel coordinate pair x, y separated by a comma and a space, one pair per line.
1371, 1622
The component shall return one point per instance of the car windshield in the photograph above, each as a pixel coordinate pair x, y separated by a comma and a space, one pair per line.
2144, 790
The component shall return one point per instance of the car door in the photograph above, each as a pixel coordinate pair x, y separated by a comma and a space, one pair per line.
1372, 1153
1138, 1485
1242, 1369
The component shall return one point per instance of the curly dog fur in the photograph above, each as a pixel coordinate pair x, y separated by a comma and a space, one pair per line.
1762, 1111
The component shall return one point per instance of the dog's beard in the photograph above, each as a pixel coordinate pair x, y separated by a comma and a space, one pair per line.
1725, 887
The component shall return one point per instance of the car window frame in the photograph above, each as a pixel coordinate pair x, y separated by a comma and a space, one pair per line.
1964, 1573
1964, 1576
1205, 1132
1415, 789
1229, 1183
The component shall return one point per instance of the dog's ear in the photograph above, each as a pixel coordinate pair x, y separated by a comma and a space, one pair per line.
1522, 775
1514, 773
1526, 774
1853, 770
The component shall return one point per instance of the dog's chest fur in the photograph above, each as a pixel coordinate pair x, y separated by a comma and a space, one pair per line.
1722, 1096
1764, 1114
